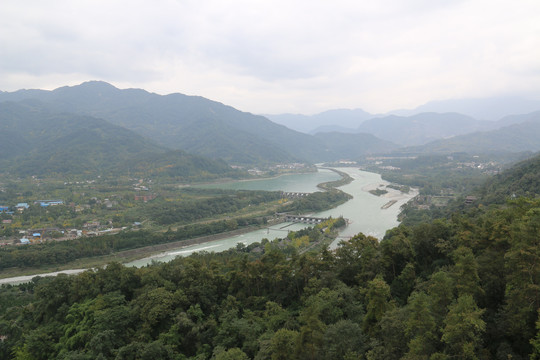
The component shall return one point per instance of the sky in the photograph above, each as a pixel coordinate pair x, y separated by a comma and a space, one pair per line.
280, 56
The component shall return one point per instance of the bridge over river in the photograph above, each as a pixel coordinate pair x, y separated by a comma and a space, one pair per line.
305, 219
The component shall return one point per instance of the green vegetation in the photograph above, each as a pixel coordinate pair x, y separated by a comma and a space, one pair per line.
176, 215
378, 192
455, 282
523, 179
317, 201
443, 181
345, 179
459, 288
64, 145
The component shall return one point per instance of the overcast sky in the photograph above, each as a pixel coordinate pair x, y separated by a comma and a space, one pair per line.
278, 56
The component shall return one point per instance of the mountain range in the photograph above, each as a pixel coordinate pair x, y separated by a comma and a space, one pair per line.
98, 127
487, 110
522, 134
37, 141
190, 123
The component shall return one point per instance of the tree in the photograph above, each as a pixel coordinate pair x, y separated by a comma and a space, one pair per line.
231, 354
378, 296
283, 344
463, 328
357, 260
421, 327
343, 338
522, 295
311, 338
466, 272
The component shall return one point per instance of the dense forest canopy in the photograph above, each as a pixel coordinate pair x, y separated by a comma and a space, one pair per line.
462, 287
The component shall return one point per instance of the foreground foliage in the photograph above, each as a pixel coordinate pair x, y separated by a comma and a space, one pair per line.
464, 288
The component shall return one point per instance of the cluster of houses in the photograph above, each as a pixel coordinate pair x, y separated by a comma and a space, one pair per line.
20, 207
92, 228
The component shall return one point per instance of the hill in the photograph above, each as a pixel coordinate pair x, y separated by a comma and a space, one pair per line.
37, 141
421, 128
522, 179
492, 108
352, 146
309, 124
177, 121
513, 138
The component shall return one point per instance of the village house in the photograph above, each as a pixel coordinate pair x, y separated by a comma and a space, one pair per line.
22, 206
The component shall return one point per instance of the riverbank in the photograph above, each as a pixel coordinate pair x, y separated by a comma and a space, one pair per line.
7, 277
345, 179
132, 255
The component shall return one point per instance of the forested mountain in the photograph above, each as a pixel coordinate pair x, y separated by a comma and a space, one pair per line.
35, 140
523, 179
461, 287
420, 129
513, 138
351, 146
464, 287
211, 129
516, 119
177, 121
491, 109
341, 118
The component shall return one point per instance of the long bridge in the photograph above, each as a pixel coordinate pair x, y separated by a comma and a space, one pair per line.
293, 195
304, 219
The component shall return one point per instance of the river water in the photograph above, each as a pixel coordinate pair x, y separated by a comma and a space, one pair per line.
365, 212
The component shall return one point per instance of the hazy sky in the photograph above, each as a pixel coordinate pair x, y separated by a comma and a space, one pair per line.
278, 56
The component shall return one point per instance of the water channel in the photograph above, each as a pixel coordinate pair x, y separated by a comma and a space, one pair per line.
366, 212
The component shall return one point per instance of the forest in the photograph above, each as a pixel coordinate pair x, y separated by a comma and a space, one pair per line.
463, 286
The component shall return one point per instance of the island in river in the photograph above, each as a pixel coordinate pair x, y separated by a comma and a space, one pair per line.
367, 213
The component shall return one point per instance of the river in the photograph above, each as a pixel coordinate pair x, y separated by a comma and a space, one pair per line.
366, 212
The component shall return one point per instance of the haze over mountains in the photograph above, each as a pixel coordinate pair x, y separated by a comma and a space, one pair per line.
95, 126
484, 110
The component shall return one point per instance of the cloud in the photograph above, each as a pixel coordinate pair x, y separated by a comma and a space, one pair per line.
280, 56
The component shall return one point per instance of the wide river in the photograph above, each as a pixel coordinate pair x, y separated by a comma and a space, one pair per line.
365, 211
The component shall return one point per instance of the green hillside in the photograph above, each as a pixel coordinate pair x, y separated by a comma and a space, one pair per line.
177, 121
523, 179
460, 287
351, 146
421, 128
463, 288
513, 138
37, 141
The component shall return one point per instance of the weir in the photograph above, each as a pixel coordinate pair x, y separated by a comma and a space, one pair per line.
293, 195
302, 218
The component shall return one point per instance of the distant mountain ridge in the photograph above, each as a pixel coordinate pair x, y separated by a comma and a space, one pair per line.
491, 108
191, 123
342, 118
421, 128
213, 130
486, 110
522, 135
177, 121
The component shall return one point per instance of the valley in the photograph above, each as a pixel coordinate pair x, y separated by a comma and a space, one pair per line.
173, 215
